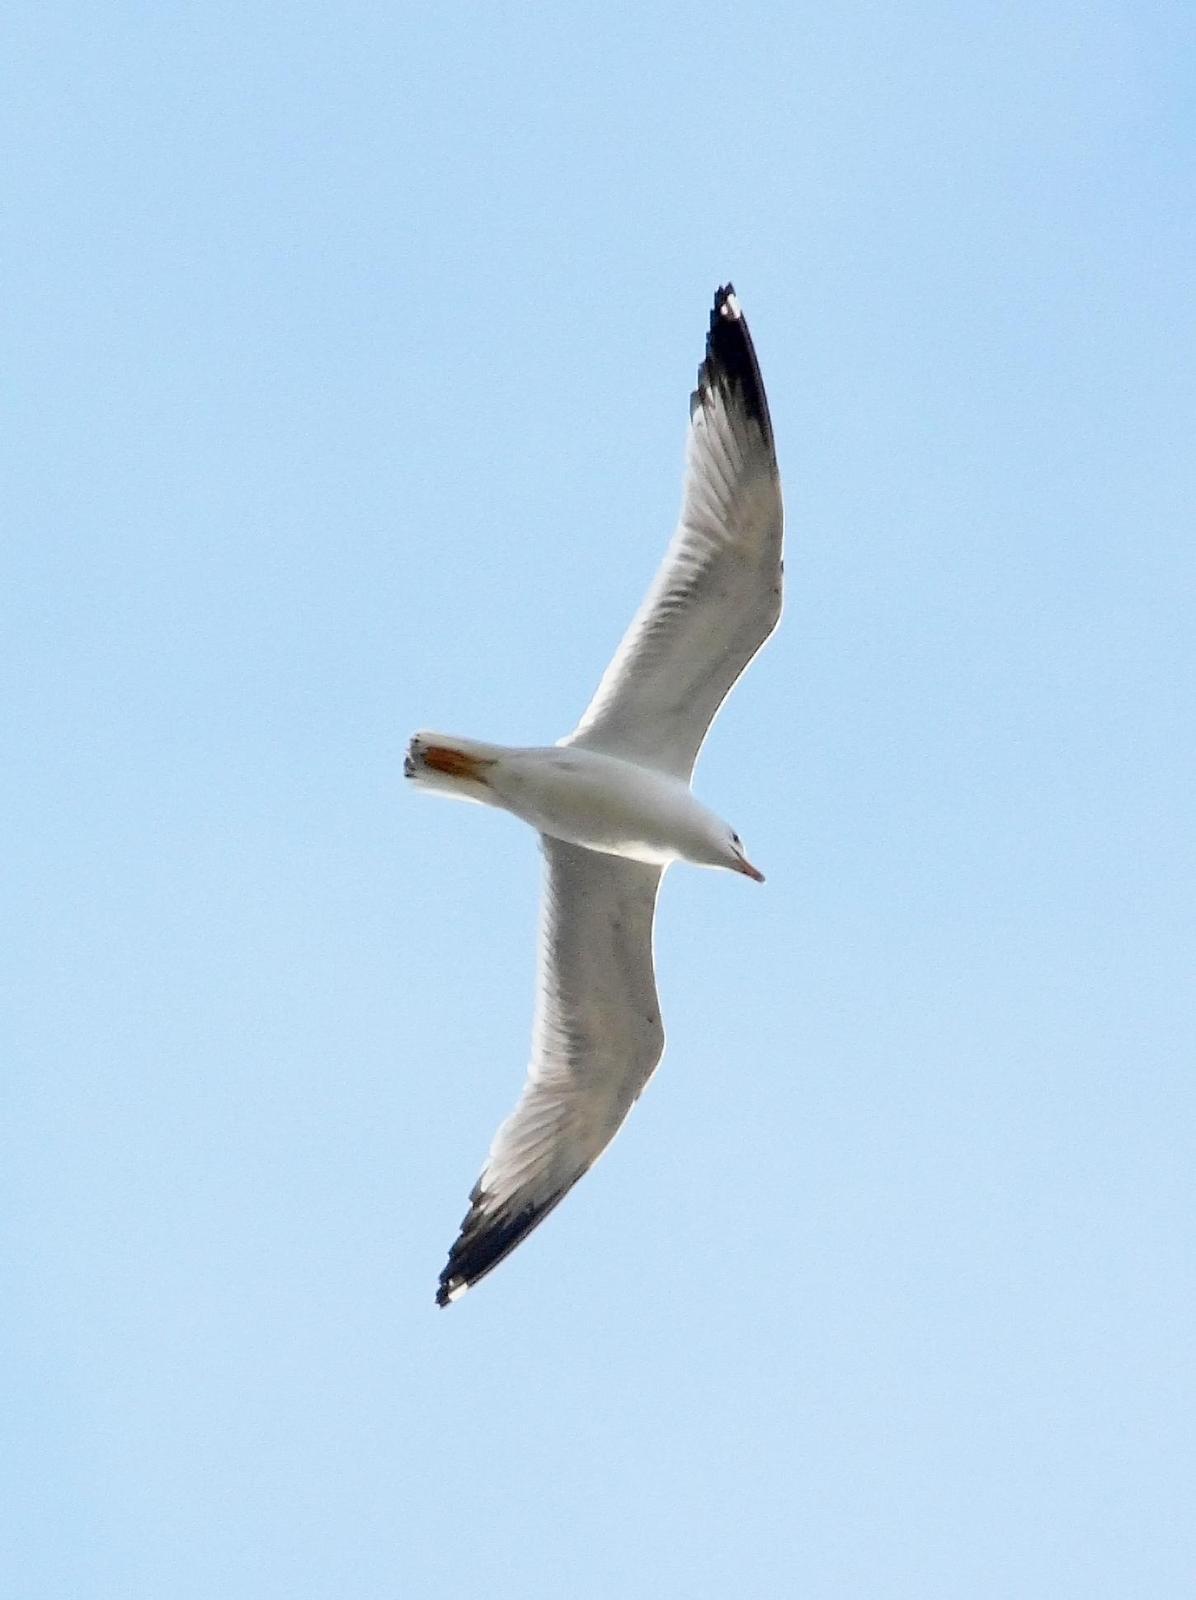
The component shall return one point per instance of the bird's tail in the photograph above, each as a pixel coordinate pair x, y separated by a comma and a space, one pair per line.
450, 765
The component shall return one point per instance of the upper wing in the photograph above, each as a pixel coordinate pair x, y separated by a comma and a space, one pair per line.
718, 595
596, 1042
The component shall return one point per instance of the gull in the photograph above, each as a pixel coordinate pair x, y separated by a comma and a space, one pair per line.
613, 806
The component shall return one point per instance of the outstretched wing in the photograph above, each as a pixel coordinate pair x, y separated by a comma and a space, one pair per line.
596, 1042
717, 596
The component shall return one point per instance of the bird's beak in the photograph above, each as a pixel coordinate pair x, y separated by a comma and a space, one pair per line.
744, 865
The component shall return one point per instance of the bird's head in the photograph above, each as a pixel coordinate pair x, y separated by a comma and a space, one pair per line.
731, 856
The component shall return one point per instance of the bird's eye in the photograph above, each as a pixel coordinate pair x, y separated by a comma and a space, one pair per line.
735, 839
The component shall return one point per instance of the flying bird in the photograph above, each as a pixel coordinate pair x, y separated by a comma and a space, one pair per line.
614, 808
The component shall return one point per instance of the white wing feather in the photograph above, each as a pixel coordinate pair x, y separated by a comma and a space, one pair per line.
717, 596
596, 1042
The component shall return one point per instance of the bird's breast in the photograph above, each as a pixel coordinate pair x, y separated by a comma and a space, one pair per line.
591, 799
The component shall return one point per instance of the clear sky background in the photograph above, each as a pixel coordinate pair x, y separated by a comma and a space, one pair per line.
346, 361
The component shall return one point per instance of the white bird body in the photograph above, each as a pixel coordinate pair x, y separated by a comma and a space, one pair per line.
613, 807
584, 797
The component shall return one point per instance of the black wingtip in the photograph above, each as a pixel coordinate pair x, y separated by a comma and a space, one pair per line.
484, 1241
730, 363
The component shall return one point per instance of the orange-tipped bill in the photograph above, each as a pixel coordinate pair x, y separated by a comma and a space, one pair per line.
745, 866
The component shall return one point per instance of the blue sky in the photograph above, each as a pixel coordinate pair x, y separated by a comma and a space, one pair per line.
348, 351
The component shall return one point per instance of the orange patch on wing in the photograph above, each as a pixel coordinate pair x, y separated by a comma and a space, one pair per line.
453, 763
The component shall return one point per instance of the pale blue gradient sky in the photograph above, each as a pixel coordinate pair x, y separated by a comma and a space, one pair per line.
347, 352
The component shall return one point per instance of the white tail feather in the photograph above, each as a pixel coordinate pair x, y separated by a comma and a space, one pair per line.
451, 765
